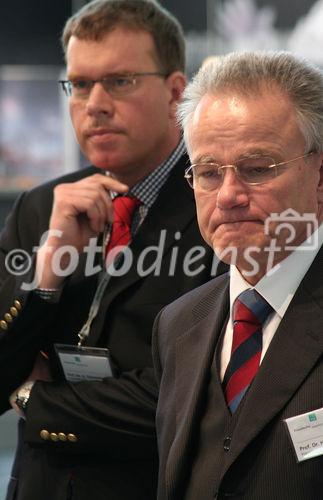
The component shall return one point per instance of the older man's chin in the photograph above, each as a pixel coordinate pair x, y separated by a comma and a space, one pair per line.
243, 254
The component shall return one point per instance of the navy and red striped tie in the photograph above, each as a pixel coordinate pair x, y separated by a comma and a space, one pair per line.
250, 311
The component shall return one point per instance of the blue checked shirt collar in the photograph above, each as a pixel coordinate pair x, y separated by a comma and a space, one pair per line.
148, 188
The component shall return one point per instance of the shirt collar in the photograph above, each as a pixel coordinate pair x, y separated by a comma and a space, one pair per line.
280, 284
148, 188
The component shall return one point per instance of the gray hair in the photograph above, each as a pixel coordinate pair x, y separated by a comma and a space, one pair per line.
250, 73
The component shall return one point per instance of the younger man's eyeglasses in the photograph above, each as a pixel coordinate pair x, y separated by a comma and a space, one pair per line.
117, 85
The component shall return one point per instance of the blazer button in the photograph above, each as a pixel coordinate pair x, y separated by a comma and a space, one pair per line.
17, 304
44, 434
71, 438
227, 444
62, 436
53, 437
8, 318
14, 311
3, 325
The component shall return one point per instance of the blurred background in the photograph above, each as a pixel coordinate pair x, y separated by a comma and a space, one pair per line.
36, 138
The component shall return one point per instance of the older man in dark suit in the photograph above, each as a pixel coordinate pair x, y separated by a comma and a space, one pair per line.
239, 360
96, 438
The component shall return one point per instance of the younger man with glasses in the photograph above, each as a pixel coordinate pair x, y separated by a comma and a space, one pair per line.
239, 360
96, 438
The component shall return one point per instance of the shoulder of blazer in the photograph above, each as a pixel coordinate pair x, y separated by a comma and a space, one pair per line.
47, 187
37, 203
176, 185
312, 280
194, 298
195, 305
174, 205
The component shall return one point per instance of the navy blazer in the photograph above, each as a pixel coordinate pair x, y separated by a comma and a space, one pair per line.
113, 420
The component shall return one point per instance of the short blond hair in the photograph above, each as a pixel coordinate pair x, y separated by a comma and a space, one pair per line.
99, 17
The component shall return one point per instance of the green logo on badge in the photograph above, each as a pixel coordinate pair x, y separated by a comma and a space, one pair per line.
312, 417
78, 359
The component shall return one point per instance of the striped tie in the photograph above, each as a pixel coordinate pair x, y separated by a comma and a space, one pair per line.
250, 311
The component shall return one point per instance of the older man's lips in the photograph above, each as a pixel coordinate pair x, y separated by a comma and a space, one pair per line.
103, 134
237, 224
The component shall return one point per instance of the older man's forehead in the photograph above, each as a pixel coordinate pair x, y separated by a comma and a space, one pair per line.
230, 117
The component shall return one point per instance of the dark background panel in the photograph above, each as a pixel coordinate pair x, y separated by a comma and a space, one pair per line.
30, 30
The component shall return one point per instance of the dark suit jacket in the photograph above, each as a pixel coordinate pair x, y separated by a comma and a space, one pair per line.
251, 457
115, 454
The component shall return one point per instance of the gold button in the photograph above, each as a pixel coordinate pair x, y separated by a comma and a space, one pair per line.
8, 317
71, 438
44, 434
13, 311
53, 436
62, 436
3, 325
17, 304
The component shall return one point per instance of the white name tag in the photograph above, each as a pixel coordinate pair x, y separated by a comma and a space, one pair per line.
84, 363
306, 433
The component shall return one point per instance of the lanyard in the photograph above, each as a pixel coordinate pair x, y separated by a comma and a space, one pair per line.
102, 285
85, 330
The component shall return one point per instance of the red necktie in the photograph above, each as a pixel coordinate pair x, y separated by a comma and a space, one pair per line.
123, 210
250, 311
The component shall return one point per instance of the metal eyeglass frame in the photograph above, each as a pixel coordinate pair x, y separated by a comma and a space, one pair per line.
67, 85
190, 177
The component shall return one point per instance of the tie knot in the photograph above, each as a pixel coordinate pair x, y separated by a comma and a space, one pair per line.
251, 307
123, 209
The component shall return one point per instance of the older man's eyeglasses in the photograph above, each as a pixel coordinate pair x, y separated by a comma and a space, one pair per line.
117, 85
253, 170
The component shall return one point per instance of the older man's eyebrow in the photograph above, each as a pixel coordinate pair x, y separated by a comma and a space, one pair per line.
204, 159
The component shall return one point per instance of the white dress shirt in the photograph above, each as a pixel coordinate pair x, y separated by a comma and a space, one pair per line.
277, 287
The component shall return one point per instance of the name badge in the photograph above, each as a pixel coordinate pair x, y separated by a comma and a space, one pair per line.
306, 433
81, 363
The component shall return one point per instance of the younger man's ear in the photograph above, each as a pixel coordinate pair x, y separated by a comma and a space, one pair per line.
176, 83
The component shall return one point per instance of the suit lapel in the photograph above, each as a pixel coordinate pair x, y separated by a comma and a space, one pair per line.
295, 349
172, 212
194, 356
